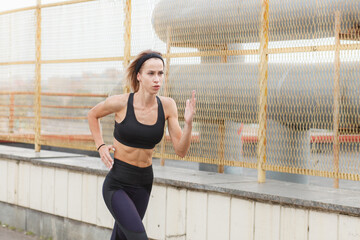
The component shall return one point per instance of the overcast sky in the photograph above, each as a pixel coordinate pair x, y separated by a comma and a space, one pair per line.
14, 4
142, 23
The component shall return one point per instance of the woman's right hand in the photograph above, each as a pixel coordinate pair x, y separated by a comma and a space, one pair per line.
105, 156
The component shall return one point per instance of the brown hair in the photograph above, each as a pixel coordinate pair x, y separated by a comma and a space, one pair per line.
131, 74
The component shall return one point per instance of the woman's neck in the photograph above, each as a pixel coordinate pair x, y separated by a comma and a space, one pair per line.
145, 99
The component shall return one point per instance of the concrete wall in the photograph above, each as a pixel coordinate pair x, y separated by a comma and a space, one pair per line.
173, 213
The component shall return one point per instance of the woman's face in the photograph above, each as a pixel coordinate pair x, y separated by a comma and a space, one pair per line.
151, 75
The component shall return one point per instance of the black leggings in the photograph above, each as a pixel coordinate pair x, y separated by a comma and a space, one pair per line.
126, 192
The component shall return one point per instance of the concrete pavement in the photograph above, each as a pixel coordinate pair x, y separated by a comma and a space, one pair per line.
7, 234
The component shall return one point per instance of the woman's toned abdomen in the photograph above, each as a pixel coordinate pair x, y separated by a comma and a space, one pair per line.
135, 156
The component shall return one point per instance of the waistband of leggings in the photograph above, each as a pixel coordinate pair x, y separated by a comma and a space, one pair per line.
131, 167
126, 173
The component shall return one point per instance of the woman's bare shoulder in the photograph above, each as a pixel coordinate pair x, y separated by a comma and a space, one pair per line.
168, 101
169, 105
117, 102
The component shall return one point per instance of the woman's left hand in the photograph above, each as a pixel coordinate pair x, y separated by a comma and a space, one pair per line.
190, 108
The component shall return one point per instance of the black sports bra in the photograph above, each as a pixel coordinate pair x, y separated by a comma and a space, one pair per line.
132, 133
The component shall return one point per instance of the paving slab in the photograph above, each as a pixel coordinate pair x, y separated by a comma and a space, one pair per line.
91, 165
27, 154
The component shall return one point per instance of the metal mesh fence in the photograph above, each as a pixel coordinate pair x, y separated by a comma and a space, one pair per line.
17, 73
277, 81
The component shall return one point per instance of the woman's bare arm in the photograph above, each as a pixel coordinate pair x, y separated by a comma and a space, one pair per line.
112, 104
181, 139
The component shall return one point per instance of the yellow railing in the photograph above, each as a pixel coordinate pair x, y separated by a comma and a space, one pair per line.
276, 81
83, 141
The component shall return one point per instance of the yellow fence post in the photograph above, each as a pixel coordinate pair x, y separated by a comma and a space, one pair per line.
11, 112
263, 70
38, 78
336, 143
221, 123
221, 146
166, 93
127, 39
